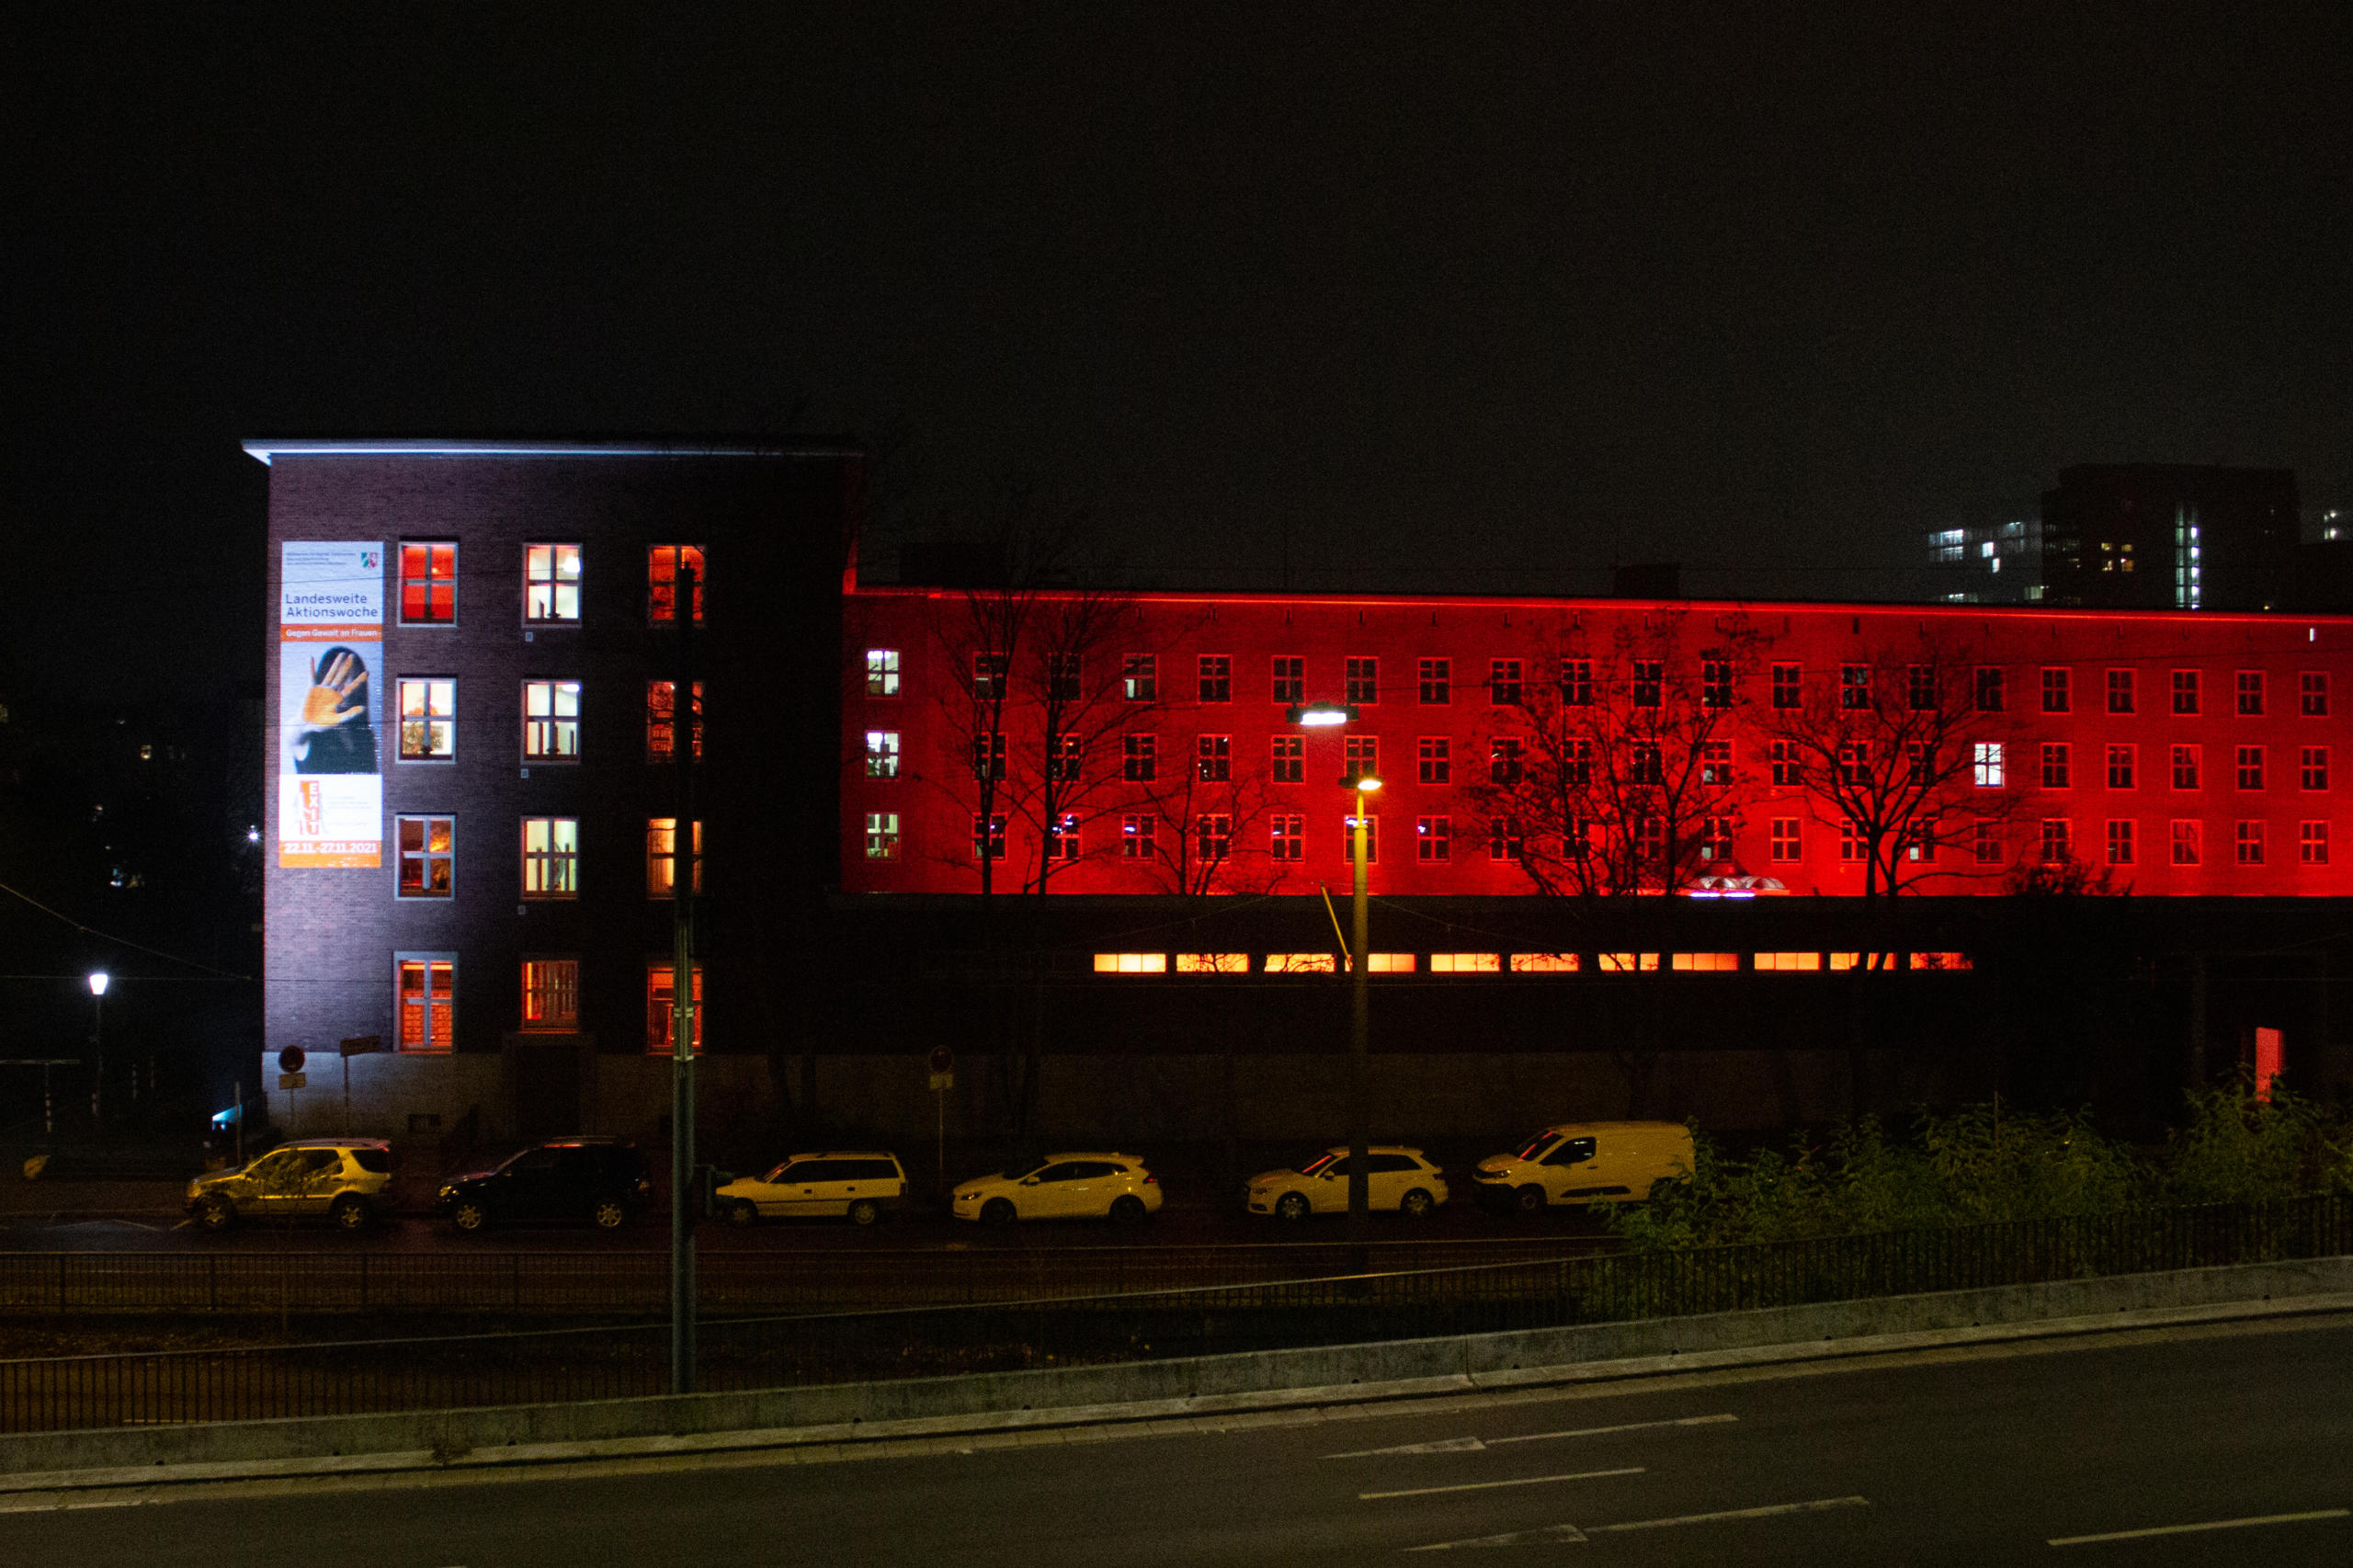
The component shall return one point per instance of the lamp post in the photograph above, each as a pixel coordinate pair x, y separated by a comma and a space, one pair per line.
98, 979
1360, 787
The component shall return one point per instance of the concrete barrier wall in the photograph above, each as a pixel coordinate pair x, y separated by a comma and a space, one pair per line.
1495, 1357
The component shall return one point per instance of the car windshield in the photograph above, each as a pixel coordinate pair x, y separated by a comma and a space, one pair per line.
1536, 1145
777, 1171
1317, 1164
1014, 1172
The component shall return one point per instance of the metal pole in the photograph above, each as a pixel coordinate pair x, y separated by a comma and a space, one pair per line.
682, 994
1359, 1023
99, 1047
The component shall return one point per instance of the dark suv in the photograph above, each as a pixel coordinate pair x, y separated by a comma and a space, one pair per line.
601, 1180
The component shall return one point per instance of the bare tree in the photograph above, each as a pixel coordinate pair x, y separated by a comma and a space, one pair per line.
1204, 818
1615, 776
1075, 674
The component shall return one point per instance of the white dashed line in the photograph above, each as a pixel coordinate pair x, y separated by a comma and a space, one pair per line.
1475, 1445
1492, 1485
2211, 1525
1571, 1533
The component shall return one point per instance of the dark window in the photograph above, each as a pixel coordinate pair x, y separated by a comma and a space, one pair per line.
2119, 691
1290, 759
2058, 689
1715, 683
1854, 686
1576, 683
1062, 677
1920, 687
2250, 768
1571, 1152
1436, 681
1785, 685
1217, 677
1139, 760
1650, 680
2250, 692
1140, 677
988, 675
2120, 767
2313, 694
1989, 689
1363, 681
1214, 757
2185, 691
1504, 764
1503, 682
1434, 760
1290, 678
2058, 772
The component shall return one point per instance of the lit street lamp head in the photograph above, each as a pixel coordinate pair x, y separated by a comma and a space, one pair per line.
1365, 783
97, 982
1320, 715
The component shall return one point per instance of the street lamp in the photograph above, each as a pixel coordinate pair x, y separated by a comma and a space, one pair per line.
1331, 715
99, 978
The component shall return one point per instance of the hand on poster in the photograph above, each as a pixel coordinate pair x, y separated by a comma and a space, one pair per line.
330, 688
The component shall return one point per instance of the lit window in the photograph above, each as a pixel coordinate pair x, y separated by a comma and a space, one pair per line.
2250, 693
2058, 841
1132, 964
1215, 757
1544, 964
1063, 837
881, 753
550, 582
1389, 963
1434, 760
1212, 963
2057, 688
881, 672
2250, 769
661, 1012
1650, 682
1706, 964
1436, 681
1363, 682
2120, 843
1865, 961
1989, 689
550, 995
661, 723
1217, 677
2185, 767
1941, 961
1140, 677
1466, 963
1505, 760
988, 678
551, 857
1302, 963
2119, 691
1785, 685
2311, 694
988, 837
2120, 767
2313, 771
1140, 758
1504, 840
2311, 843
1626, 963
1919, 844
2185, 842
551, 720
2058, 769
1287, 837
1349, 839
1785, 841
988, 758
882, 835
1854, 686
1784, 962
1290, 678
1213, 837
2185, 691
1138, 837
427, 853
663, 564
428, 720
1434, 838
1986, 763
661, 854
1576, 683
1503, 682
425, 991
428, 584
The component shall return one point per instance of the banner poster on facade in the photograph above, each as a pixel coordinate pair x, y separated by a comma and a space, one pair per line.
330, 705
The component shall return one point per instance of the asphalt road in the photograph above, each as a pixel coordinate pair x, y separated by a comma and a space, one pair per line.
1978, 1457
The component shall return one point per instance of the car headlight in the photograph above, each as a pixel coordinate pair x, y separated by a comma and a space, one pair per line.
448, 1193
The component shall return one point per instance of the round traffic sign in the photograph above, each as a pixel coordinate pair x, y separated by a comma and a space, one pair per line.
291, 1059
942, 1059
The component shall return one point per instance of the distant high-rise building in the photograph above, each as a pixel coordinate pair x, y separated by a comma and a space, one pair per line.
2160, 536
1988, 563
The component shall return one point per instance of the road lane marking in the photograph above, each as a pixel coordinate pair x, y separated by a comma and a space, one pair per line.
1491, 1485
1571, 1533
1475, 1445
2209, 1525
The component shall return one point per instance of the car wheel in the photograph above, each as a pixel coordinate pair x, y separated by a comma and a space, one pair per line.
865, 1211
1128, 1210
743, 1215
1291, 1206
1416, 1205
610, 1214
349, 1213
998, 1211
217, 1214
470, 1215
1529, 1200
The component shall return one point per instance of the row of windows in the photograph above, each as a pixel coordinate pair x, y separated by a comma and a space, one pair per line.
2185, 842
1519, 963
550, 720
2186, 769
425, 999
426, 856
1646, 682
551, 583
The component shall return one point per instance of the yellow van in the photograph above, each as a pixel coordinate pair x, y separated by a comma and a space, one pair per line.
1585, 1162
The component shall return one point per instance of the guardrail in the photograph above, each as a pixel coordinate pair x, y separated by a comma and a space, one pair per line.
771, 1352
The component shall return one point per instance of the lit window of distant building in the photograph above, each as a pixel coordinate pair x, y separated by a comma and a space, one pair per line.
881, 672
551, 857
881, 754
425, 992
661, 856
1466, 963
1132, 964
661, 1010
551, 582
1140, 677
551, 720
427, 855
882, 835
663, 564
429, 584
550, 996
661, 728
428, 718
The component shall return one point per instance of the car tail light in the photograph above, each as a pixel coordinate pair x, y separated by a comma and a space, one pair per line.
1150, 1180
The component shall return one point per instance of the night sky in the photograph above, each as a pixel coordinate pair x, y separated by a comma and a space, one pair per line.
1462, 297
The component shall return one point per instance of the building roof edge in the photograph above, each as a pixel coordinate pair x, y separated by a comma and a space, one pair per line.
265, 450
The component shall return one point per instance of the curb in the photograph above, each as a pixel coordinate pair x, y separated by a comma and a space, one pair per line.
69, 1488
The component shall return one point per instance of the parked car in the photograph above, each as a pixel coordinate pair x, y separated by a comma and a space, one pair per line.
339, 1179
1397, 1180
1063, 1186
863, 1184
601, 1180
1585, 1162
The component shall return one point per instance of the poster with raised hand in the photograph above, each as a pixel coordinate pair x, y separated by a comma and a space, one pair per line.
330, 705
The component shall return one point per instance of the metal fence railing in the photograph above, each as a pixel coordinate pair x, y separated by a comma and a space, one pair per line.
781, 1351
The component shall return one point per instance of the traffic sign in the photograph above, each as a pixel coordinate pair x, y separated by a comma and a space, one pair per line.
942, 1059
291, 1080
290, 1060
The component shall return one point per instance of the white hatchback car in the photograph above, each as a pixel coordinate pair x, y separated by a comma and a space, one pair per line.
1063, 1186
1397, 1180
861, 1184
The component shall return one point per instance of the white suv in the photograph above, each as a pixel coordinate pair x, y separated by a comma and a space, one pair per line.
341, 1179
